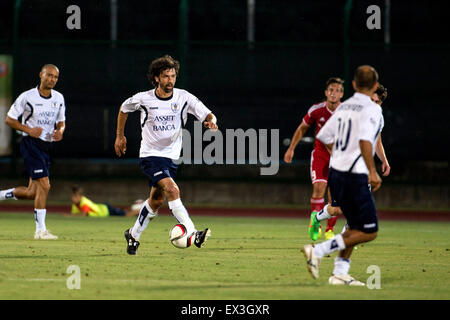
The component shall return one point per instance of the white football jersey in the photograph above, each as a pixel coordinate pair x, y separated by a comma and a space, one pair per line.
39, 111
357, 118
162, 120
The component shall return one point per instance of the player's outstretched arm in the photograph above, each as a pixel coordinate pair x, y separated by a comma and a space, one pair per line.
120, 145
298, 135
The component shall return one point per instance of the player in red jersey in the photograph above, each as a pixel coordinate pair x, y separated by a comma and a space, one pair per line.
329, 211
318, 114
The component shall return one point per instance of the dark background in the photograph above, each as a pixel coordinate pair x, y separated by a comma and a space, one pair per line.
271, 84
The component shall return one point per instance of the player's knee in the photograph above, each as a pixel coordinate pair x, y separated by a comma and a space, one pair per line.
172, 191
319, 189
44, 186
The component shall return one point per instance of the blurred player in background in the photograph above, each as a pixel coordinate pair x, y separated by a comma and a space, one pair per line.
163, 110
379, 97
43, 122
352, 133
329, 211
83, 206
318, 114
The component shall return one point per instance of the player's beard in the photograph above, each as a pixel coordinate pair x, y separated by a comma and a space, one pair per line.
166, 89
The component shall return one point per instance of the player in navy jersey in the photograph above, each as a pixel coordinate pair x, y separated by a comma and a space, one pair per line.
43, 122
164, 110
351, 133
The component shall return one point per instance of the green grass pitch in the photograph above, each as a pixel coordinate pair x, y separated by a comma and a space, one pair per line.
245, 259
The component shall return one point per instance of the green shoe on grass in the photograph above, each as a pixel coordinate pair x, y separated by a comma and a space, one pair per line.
314, 227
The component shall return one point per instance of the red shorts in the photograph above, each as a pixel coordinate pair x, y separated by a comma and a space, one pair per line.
320, 164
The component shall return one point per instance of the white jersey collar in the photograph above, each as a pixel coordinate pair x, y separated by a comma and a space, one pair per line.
43, 97
362, 96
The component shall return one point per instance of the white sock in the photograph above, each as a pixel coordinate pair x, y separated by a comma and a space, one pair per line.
341, 266
145, 215
181, 214
323, 214
39, 218
7, 194
334, 244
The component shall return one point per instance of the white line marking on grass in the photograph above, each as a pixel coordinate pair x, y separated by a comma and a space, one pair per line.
36, 279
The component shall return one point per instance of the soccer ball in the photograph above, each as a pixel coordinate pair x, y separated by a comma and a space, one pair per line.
179, 237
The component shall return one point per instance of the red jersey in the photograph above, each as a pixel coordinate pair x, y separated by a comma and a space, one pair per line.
318, 114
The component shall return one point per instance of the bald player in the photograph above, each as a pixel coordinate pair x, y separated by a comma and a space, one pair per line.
39, 115
329, 211
352, 133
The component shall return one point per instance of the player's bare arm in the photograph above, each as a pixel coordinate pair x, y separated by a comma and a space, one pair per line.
211, 122
298, 135
379, 150
59, 131
120, 145
34, 132
366, 152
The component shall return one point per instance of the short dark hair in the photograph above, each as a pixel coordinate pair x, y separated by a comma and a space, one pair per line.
334, 80
365, 77
159, 65
381, 92
49, 65
76, 189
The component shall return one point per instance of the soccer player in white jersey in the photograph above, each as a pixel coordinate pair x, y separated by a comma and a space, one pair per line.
164, 110
352, 133
329, 211
43, 122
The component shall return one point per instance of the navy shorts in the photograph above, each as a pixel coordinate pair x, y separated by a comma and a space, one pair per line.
36, 157
157, 168
351, 192
113, 211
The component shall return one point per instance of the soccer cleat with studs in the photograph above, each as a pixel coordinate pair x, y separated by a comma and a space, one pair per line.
314, 228
312, 261
201, 237
44, 235
344, 279
329, 234
132, 244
